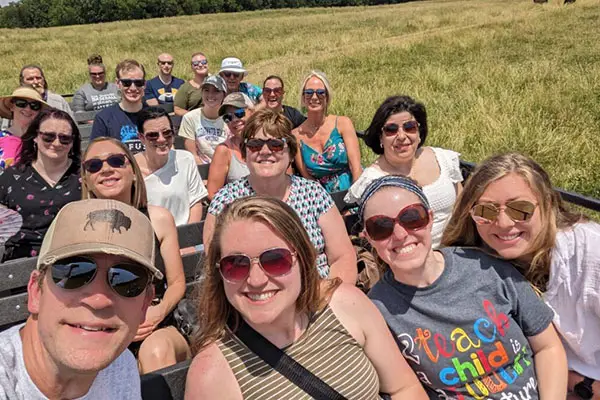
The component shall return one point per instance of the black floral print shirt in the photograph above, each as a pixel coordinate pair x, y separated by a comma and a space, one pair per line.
25, 191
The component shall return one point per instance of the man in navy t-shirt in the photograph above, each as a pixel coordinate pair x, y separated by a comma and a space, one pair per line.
162, 88
120, 120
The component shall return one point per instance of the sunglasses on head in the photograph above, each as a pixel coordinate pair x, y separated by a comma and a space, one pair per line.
50, 137
278, 91
137, 82
237, 114
229, 74
168, 134
518, 211
94, 165
256, 145
126, 279
199, 63
274, 262
311, 92
392, 129
411, 218
165, 62
22, 103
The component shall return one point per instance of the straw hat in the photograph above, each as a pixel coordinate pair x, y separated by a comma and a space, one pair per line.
20, 93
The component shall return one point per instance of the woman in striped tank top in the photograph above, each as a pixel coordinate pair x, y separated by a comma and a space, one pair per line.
270, 284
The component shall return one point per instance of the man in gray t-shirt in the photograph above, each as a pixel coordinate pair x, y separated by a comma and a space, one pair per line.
465, 335
87, 297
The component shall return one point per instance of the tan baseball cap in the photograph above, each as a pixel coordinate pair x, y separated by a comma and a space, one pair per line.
99, 226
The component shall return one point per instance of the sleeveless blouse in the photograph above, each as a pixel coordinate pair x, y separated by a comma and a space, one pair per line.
441, 193
326, 349
331, 167
237, 169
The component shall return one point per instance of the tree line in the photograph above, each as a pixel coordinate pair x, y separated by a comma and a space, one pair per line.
45, 13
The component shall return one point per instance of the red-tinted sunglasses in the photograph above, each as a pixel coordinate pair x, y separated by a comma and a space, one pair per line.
256, 145
411, 218
235, 268
392, 129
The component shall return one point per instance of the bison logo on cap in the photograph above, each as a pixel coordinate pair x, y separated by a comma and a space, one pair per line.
115, 218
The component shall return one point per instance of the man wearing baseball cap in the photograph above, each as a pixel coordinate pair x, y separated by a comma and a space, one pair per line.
87, 297
232, 70
203, 129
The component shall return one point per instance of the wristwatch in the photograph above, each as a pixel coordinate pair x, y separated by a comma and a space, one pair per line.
584, 389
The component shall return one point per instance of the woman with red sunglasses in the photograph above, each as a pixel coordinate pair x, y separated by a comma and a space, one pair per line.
45, 178
268, 147
468, 323
509, 207
260, 282
397, 133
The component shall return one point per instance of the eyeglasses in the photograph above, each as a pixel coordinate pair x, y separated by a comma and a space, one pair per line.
237, 114
165, 62
167, 134
50, 137
126, 279
274, 262
96, 74
199, 63
518, 211
256, 145
137, 82
94, 165
278, 91
310, 92
411, 218
229, 74
22, 103
410, 127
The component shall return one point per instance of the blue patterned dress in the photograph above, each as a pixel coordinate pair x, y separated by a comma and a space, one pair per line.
331, 167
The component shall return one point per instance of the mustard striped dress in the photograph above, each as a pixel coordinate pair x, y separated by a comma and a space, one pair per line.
326, 349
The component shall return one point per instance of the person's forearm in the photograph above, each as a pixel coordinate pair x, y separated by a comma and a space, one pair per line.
552, 373
195, 213
414, 391
173, 295
152, 102
180, 111
344, 268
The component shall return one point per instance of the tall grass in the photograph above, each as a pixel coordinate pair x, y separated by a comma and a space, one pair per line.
494, 75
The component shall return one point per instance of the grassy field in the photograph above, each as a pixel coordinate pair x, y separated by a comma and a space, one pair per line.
495, 75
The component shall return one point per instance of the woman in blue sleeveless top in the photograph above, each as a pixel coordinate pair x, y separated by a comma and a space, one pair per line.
329, 150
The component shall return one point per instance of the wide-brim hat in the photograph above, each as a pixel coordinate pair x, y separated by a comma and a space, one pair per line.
232, 64
26, 93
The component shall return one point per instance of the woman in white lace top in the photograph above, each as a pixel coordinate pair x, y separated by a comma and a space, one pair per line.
398, 132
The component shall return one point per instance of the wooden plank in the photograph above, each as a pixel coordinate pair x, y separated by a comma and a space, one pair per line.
190, 234
168, 107
85, 131
82, 117
15, 273
167, 383
13, 309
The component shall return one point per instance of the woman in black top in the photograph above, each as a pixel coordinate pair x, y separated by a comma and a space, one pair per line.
45, 179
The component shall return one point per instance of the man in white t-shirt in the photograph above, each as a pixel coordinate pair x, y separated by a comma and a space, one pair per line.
171, 176
87, 297
203, 128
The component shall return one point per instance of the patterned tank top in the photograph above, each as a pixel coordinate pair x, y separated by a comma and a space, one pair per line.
326, 349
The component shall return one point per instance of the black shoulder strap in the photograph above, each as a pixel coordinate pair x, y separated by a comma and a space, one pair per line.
286, 365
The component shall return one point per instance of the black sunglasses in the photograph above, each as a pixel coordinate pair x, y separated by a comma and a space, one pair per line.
165, 62
411, 218
50, 137
94, 165
137, 82
167, 134
22, 103
96, 74
126, 279
311, 92
229, 74
256, 145
392, 129
237, 114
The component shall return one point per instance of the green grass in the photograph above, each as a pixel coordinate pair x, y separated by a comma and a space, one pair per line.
494, 75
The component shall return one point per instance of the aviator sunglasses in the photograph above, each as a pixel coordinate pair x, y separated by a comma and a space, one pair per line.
311, 92
392, 129
274, 262
199, 63
278, 91
125, 279
411, 218
167, 134
137, 82
518, 211
237, 114
22, 103
94, 165
50, 137
256, 145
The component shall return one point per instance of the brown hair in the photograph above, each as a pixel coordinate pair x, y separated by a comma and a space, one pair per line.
273, 124
138, 189
214, 310
535, 263
95, 59
128, 65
